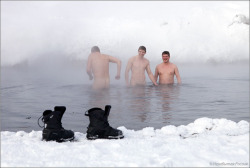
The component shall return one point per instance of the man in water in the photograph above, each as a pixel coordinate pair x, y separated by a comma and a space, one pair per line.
138, 64
98, 65
167, 70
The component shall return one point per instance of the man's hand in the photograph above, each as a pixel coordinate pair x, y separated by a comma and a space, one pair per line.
117, 77
128, 84
90, 77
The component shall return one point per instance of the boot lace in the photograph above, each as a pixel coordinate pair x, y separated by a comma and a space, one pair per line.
38, 122
42, 118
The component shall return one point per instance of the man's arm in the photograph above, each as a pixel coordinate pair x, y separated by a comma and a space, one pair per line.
177, 75
118, 62
89, 68
156, 73
150, 75
128, 68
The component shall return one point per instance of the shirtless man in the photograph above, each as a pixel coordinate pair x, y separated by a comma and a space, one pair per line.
138, 64
98, 65
167, 70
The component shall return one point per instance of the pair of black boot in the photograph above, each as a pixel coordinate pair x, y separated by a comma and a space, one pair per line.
98, 127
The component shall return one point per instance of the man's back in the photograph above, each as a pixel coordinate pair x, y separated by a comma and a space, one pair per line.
98, 65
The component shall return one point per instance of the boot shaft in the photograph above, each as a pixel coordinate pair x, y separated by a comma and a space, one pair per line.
97, 112
52, 119
99, 126
97, 118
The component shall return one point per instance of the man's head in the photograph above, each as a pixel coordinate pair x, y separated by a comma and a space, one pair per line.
165, 56
95, 49
142, 50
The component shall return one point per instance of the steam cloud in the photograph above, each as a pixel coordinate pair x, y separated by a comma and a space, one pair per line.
191, 31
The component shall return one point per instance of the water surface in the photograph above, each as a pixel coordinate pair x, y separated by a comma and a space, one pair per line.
212, 91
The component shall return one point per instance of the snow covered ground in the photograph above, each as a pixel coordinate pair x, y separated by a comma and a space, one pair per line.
205, 142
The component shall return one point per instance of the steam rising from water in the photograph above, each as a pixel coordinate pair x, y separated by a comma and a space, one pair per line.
61, 30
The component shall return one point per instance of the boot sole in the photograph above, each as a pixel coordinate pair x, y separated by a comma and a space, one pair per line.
115, 137
65, 140
60, 140
93, 137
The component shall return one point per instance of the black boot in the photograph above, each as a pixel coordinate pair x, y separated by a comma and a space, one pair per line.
53, 130
99, 126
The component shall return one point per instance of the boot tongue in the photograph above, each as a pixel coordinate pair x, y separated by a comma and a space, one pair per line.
46, 112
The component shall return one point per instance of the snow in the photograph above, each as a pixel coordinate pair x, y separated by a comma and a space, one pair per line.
205, 142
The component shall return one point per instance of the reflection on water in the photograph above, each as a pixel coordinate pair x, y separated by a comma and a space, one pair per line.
139, 106
167, 94
139, 101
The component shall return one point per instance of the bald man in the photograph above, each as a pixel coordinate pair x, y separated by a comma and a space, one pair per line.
98, 66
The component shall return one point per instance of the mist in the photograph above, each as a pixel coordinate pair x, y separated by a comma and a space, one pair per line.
50, 32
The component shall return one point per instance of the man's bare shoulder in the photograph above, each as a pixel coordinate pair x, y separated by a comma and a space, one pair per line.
146, 60
99, 56
90, 55
105, 55
132, 59
173, 65
94, 54
159, 65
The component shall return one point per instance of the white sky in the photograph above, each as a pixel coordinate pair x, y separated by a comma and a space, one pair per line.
29, 28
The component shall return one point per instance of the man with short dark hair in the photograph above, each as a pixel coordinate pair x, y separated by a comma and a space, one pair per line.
138, 64
167, 70
98, 65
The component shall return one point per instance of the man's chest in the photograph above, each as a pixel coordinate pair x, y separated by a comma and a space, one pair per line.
139, 65
166, 71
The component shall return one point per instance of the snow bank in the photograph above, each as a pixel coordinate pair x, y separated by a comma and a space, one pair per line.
205, 142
